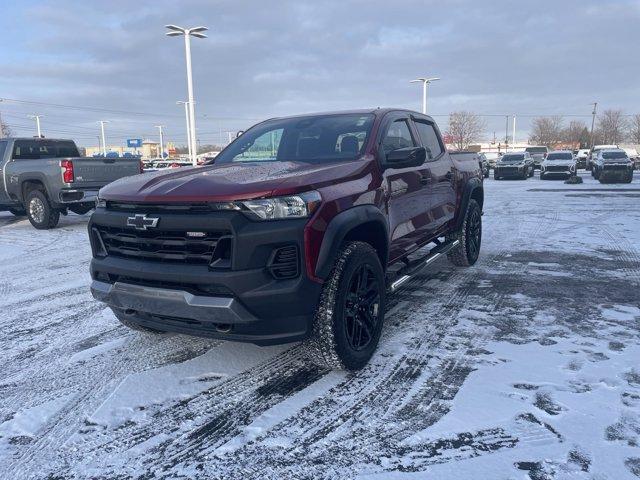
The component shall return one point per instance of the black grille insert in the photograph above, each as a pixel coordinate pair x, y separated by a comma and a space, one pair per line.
285, 262
194, 248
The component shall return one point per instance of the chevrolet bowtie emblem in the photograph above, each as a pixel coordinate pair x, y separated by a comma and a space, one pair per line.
142, 222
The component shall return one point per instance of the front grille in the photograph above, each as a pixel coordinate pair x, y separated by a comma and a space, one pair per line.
285, 262
160, 208
508, 169
556, 168
160, 246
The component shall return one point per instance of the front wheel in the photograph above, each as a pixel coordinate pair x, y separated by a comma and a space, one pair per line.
350, 315
470, 237
40, 212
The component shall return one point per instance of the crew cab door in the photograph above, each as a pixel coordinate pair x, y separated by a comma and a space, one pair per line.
439, 186
4, 158
407, 203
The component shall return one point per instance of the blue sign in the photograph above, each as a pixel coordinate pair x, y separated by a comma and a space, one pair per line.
134, 143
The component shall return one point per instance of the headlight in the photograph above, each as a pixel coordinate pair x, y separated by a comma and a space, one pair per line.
291, 206
101, 203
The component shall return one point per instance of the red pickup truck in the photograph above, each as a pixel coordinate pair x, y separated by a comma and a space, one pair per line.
298, 232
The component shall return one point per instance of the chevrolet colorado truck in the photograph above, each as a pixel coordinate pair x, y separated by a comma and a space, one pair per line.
514, 165
611, 165
297, 232
43, 178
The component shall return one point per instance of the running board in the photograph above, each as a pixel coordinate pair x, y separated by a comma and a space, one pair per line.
433, 255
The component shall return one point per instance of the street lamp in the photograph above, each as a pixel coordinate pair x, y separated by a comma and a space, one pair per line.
159, 127
186, 114
175, 31
37, 119
425, 82
104, 142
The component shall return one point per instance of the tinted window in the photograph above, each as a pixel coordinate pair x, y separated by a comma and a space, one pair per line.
314, 139
560, 156
429, 138
536, 149
34, 149
512, 158
614, 155
398, 136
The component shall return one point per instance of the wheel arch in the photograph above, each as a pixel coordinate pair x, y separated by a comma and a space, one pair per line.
365, 223
473, 190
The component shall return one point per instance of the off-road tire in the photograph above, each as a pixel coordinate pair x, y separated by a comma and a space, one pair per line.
463, 255
328, 344
18, 212
49, 216
126, 320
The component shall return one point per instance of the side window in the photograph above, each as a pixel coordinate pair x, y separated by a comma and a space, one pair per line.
264, 148
429, 138
398, 136
3, 148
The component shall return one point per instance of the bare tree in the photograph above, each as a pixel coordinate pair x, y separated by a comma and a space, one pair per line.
465, 128
574, 133
5, 131
547, 130
612, 126
634, 129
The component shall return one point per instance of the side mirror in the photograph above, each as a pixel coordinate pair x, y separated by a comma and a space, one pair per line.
406, 157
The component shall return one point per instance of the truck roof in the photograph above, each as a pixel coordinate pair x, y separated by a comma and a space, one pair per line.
375, 111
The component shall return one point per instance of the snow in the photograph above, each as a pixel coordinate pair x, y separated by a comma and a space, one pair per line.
523, 366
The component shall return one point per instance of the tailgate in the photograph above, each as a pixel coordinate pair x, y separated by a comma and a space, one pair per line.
100, 171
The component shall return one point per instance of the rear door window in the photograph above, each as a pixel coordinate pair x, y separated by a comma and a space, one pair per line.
36, 149
429, 138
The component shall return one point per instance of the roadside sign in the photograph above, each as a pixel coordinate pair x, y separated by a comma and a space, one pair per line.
134, 143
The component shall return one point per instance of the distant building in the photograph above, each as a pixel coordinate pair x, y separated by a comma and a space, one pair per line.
149, 149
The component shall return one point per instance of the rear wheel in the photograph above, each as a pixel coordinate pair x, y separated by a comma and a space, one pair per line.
40, 212
629, 177
470, 237
350, 315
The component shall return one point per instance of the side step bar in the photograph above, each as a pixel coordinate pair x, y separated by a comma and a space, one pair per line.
433, 255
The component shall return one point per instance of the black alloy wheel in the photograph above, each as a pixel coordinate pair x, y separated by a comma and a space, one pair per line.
361, 308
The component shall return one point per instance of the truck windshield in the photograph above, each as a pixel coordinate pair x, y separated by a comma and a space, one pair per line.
560, 156
512, 158
609, 155
35, 149
313, 139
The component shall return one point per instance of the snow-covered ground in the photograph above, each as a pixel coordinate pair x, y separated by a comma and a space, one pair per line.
524, 366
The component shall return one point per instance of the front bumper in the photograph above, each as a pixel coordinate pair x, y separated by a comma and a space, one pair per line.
509, 172
241, 301
559, 172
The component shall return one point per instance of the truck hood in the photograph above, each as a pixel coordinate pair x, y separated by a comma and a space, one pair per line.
232, 181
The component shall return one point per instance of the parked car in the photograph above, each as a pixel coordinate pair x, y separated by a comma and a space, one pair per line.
633, 155
492, 158
296, 232
581, 158
514, 165
612, 165
484, 164
43, 178
593, 154
558, 164
538, 154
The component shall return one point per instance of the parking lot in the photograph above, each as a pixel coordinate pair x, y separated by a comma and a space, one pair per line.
523, 366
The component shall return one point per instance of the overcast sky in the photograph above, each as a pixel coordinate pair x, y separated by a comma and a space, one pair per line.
273, 58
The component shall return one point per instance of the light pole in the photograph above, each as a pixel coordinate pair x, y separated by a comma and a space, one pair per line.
104, 141
37, 119
186, 114
513, 137
175, 31
159, 127
425, 82
593, 120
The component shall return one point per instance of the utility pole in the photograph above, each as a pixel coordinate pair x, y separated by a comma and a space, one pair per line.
593, 120
186, 113
506, 134
159, 127
104, 141
197, 32
37, 119
513, 137
425, 83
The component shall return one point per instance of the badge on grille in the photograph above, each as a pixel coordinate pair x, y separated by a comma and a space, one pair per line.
142, 222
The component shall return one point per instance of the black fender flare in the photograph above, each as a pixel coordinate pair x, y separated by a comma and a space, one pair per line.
472, 185
338, 229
